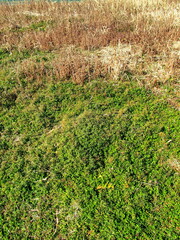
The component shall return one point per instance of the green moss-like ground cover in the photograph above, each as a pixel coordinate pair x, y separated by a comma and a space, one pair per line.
87, 162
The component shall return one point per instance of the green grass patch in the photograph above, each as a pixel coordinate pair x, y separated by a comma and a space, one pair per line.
88, 162
35, 26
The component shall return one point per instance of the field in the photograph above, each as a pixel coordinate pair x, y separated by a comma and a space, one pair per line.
89, 120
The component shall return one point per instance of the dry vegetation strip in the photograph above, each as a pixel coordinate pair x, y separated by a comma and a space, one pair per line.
98, 39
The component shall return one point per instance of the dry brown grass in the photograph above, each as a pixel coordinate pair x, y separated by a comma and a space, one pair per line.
91, 24
97, 38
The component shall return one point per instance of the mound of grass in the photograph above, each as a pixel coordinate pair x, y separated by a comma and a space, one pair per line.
89, 162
